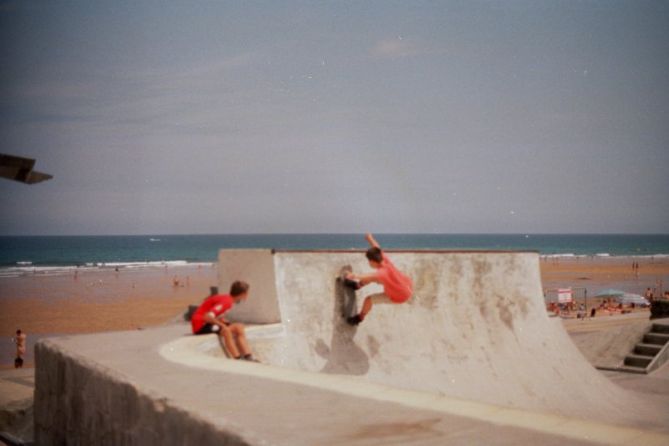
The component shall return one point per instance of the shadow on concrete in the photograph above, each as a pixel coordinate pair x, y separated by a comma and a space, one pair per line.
343, 355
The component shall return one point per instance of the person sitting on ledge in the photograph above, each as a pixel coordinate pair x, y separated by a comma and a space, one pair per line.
208, 318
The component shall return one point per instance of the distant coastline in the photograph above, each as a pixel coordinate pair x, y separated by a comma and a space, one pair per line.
21, 255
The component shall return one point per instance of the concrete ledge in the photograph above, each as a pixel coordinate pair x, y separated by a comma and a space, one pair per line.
255, 266
77, 401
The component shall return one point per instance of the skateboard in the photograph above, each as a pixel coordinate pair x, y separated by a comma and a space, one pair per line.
346, 294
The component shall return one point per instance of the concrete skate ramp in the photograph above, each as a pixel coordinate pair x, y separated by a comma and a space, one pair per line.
476, 329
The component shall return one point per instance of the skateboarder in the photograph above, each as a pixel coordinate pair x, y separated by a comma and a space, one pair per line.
208, 318
397, 287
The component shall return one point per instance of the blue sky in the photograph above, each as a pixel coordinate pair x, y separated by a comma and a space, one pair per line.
216, 117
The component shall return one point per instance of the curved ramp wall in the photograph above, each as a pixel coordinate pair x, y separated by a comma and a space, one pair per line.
476, 329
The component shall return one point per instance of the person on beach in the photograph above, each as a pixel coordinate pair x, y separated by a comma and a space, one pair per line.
649, 295
397, 286
208, 318
20, 341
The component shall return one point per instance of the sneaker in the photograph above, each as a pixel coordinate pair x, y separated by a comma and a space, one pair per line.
354, 320
249, 358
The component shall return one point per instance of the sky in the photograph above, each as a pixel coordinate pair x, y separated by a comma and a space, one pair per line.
290, 117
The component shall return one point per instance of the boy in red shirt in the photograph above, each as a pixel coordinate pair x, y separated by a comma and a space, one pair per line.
208, 318
397, 287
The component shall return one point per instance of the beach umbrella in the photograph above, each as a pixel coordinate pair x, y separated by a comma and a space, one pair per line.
609, 292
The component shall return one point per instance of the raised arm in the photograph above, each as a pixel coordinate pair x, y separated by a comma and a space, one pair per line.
372, 241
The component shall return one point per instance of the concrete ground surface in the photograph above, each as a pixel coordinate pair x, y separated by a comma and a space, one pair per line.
17, 386
262, 410
654, 385
606, 340
16, 403
344, 419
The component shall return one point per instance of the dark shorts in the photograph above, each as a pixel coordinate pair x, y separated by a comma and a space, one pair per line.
208, 329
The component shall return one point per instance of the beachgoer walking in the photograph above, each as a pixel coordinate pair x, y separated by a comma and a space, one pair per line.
397, 286
20, 341
208, 318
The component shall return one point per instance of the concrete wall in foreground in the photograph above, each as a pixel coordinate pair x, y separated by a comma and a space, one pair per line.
255, 266
78, 402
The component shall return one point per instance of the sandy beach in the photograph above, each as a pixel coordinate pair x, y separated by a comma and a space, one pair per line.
105, 300
595, 272
96, 301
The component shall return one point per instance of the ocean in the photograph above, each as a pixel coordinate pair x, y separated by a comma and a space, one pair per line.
57, 254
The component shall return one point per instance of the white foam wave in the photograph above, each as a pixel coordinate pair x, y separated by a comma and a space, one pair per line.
563, 255
159, 263
15, 271
605, 255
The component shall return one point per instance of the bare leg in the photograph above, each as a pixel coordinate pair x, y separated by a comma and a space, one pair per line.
242, 343
366, 307
228, 341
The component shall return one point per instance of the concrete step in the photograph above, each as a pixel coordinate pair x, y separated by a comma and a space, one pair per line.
660, 328
630, 369
655, 338
638, 360
647, 349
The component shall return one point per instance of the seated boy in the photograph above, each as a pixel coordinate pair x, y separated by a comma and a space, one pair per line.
397, 287
208, 318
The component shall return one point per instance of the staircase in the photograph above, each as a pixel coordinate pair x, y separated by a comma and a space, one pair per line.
650, 353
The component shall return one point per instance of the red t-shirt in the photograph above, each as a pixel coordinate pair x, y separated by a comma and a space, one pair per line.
397, 286
217, 304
